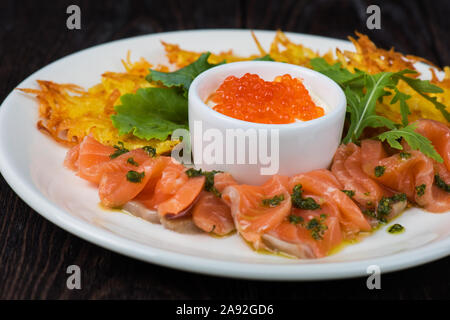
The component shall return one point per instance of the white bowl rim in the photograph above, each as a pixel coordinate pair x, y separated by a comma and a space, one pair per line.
195, 99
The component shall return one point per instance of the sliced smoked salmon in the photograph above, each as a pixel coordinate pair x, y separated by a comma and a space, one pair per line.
324, 184
211, 213
92, 156
252, 211
307, 234
347, 169
116, 187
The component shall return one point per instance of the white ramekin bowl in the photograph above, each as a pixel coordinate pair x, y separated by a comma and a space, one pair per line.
302, 146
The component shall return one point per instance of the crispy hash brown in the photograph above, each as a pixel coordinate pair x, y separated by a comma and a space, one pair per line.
68, 112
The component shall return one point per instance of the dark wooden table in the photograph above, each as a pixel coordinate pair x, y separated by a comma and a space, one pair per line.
34, 253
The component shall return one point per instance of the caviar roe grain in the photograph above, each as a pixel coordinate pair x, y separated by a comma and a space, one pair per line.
250, 98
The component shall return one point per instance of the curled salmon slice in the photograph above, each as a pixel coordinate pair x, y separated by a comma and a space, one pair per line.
409, 175
170, 179
294, 236
439, 135
92, 156
323, 183
211, 213
347, 169
251, 217
115, 189
180, 203
72, 158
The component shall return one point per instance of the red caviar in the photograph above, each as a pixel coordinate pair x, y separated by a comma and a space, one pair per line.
252, 99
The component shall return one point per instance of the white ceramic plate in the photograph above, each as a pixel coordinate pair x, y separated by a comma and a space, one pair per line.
32, 164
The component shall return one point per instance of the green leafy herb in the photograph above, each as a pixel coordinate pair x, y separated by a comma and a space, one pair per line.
379, 171
151, 113
183, 77
134, 176
415, 140
349, 193
404, 109
396, 228
132, 162
274, 201
264, 58
420, 190
441, 183
423, 87
295, 219
405, 155
120, 149
150, 151
303, 203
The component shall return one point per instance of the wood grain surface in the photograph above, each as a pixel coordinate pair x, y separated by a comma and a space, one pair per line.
34, 253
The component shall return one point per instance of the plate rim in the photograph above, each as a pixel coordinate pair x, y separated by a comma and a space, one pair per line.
32, 196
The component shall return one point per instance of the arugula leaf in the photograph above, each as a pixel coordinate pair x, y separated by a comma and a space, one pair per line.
151, 113
415, 140
336, 72
404, 109
184, 76
363, 109
424, 86
264, 58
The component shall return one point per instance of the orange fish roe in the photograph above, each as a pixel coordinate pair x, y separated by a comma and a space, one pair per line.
252, 99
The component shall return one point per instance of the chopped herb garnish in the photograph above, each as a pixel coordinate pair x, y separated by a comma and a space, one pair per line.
405, 155
441, 183
150, 151
134, 176
132, 162
385, 204
370, 213
317, 227
209, 179
120, 149
193, 173
296, 219
379, 171
303, 203
366, 193
274, 201
349, 193
396, 228
421, 190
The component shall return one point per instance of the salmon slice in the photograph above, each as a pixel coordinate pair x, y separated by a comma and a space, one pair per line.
72, 158
171, 178
115, 189
409, 176
211, 213
251, 217
183, 199
92, 156
299, 239
347, 169
323, 183
439, 135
